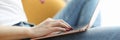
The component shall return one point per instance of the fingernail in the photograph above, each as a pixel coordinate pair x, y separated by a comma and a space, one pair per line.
69, 29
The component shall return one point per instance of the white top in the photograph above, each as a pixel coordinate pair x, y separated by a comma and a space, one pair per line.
11, 12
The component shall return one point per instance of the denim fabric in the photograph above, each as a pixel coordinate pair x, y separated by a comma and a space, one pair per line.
78, 12
96, 33
70, 13
87, 12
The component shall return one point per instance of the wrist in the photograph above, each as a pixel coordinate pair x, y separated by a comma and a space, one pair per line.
29, 32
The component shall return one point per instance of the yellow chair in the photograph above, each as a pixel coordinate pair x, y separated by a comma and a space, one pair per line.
37, 12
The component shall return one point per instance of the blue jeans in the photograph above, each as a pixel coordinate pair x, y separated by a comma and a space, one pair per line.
97, 33
78, 12
72, 14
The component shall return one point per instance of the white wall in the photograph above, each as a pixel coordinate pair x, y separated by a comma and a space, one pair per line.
110, 12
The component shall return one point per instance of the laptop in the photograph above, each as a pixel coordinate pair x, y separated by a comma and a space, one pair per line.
91, 18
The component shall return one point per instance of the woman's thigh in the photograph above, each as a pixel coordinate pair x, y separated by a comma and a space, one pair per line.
97, 33
76, 10
70, 13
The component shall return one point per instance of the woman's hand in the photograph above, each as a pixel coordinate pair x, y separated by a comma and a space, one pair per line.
47, 27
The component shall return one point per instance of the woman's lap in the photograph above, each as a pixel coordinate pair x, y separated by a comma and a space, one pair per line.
97, 33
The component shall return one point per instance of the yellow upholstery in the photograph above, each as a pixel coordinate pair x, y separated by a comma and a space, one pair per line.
37, 12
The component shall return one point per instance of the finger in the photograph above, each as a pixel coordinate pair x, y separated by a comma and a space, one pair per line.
64, 25
47, 21
57, 29
50, 19
59, 23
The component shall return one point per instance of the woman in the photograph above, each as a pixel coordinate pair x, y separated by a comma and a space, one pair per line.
12, 17
8, 15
